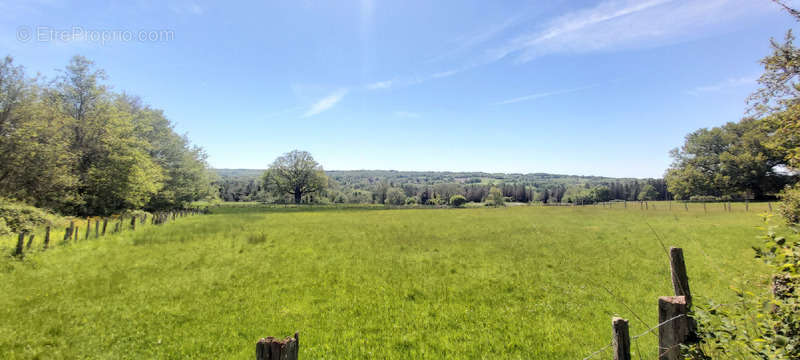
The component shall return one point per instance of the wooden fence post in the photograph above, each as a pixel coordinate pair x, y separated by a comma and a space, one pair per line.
621, 341
133, 222
770, 206
20, 242
673, 330
68, 232
105, 224
30, 242
76, 233
46, 237
88, 228
270, 348
97, 228
680, 280
680, 283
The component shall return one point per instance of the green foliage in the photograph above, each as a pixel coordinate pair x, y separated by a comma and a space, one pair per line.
16, 217
732, 159
760, 325
74, 146
458, 200
789, 208
495, 197
190, 288
412, 200
295, 173
395, 196
648, 193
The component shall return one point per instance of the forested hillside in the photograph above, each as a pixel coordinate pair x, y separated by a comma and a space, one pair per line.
431, 187
73, 145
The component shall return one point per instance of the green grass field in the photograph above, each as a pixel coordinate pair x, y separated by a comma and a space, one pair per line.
514, 283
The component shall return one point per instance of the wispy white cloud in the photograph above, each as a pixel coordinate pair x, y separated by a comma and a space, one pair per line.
726, 84
379, 85
543, 95
620, 24
186, 7
406, 114
326, 103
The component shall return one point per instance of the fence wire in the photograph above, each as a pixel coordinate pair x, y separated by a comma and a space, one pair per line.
635, 338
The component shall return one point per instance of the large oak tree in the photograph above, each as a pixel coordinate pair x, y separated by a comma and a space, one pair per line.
296, 173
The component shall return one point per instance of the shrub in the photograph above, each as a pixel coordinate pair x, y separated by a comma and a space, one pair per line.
17, 217
458, 200
759, 326
789, 208
411, 200
700, 198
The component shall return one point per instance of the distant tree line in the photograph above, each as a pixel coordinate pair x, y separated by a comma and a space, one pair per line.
437, 188
73, 145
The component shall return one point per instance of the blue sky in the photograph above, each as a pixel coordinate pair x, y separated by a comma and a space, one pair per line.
572, 87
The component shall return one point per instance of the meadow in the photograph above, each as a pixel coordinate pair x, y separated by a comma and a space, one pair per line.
371, 283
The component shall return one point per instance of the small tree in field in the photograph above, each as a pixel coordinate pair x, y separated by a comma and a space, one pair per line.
458, 200
495, 197
295, 173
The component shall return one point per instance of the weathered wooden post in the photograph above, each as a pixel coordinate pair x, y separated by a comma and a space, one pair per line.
68, 232
680, 280
674, 328
105, 224
270, 348
46, 237
621, 342
769, 204
97, 228
645, 206
77, 228
133, 222
20, 242
30, 242
680, 283
88, 228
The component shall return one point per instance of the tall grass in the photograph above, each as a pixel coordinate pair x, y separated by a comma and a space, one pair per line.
516, 283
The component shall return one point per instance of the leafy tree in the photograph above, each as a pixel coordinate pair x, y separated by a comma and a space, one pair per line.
495, 197
73, 145
395, 196
458, 200
295, 173
648, 192
732, 159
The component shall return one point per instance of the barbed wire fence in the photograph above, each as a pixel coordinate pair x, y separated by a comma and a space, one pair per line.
675, 327
96, 227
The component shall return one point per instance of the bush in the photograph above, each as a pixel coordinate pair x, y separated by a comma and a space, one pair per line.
701, 198
789, 208
411, 200
458, 200
758, 326
16, 217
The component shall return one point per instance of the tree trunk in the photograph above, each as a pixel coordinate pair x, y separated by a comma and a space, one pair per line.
298, 196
